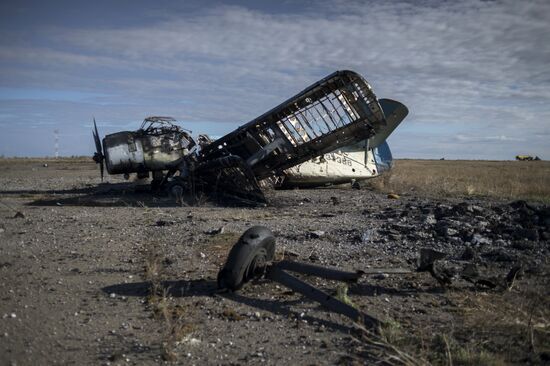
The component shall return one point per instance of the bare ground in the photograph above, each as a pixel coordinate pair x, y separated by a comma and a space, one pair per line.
107, 274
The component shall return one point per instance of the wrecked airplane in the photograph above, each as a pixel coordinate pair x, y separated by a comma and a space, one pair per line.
338, 113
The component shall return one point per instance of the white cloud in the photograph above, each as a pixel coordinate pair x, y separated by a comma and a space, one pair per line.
499, 138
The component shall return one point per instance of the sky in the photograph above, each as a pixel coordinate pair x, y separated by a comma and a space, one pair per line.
475, 75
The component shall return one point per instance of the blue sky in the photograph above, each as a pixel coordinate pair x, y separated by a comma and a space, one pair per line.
474, 74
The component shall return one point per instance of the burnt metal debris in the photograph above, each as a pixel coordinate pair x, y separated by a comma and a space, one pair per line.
253, 257
446, 271
337, 111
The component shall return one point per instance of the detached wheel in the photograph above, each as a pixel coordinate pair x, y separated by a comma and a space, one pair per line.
248, 258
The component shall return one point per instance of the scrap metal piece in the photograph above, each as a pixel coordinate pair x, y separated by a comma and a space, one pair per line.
446, 271
319, 271
229, 179
252, 257
277, 274
427, 258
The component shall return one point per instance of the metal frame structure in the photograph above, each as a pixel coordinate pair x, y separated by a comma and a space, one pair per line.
336, 111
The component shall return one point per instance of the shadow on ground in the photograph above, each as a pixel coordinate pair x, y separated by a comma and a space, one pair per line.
173, 288
117, 195
103, 195
191, 288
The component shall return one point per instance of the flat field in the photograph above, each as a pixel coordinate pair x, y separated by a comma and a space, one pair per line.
105, 273
505, 180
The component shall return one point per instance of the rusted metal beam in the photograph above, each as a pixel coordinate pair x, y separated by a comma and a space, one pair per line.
318, 271
277, 274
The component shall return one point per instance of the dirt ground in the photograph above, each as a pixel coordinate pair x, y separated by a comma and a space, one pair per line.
104, 273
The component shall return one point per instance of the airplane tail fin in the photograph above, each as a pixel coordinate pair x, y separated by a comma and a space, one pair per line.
395, 113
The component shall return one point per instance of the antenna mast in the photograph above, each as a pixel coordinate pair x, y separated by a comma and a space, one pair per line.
56, 144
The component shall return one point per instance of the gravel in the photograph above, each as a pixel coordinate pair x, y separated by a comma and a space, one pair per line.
88, 256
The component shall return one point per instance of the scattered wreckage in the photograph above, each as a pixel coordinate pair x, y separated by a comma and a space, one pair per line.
253, 257
337, 119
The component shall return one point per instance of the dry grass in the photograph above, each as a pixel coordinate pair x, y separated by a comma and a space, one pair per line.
493, 329
516, 321
497, 179
231, 315
396, 346
382, 350
176, 320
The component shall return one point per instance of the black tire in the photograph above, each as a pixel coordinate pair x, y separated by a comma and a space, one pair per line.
248, 258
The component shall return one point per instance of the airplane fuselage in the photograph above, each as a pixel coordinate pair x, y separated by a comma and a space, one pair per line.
349, 164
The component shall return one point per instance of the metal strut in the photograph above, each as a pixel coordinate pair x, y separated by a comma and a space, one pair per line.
253, 257
277, 274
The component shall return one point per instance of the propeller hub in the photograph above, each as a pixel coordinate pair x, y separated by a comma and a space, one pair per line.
98, 158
